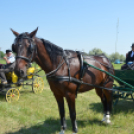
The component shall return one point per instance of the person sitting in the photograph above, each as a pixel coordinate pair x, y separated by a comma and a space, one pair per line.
10, 63
130, 55
129, 58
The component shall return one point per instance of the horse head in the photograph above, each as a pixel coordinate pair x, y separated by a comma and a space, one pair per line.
25, 49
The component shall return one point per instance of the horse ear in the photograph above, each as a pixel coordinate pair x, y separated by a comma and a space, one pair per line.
32, 34
14, 32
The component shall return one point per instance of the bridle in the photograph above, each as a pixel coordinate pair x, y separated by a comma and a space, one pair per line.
31, 48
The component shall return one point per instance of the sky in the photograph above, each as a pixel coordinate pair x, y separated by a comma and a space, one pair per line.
71, 24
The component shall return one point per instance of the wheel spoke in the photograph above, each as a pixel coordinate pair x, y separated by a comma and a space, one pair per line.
9, 95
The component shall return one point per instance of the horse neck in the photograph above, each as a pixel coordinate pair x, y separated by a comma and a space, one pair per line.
43, 58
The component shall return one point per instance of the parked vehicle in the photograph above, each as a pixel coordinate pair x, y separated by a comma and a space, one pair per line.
117, 61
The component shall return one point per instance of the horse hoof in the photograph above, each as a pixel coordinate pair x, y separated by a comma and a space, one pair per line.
62, 132
106, 119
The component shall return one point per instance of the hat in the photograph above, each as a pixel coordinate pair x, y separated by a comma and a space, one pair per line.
132, 45
7, 51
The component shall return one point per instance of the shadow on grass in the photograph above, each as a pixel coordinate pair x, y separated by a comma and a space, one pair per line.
51, 126
26, 92
123, 106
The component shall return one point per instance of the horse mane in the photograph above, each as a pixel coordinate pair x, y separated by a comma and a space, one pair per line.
52, 50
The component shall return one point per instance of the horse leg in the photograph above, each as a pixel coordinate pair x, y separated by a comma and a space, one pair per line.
109, 99
103, 100
60, 102
71, 104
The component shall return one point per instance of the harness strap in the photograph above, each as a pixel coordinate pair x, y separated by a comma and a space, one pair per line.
81, 71
77, 81
81, 63
67, 62
25, 58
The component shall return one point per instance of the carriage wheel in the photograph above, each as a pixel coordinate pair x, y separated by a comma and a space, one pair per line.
38, 85
12, 95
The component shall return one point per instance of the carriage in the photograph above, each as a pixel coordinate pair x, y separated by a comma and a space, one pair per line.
15, 83
124, 86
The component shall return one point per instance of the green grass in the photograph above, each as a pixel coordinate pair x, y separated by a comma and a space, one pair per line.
38, 114
117, 66
2, 61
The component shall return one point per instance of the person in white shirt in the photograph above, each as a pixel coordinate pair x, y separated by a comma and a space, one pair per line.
10, 63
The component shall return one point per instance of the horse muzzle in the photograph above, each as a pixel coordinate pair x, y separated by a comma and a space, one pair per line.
20, 73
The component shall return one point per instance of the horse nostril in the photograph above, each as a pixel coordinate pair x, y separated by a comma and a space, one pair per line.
21, 72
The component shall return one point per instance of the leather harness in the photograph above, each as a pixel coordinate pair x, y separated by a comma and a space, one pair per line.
68, 78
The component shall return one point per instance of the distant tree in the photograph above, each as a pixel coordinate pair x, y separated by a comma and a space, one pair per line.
95, 51
91, 53
112, 57
2, 54
116, 56
122, 58
84, 53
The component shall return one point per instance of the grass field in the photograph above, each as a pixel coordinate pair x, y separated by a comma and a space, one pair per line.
38, 114
2, 61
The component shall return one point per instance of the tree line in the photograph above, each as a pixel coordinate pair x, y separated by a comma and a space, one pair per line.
2, 54
95, 51
112, 57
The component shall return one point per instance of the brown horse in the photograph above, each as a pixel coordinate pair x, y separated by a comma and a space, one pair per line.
56, 62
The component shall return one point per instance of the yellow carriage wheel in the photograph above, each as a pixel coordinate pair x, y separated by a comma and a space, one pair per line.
12, 95
38, 85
